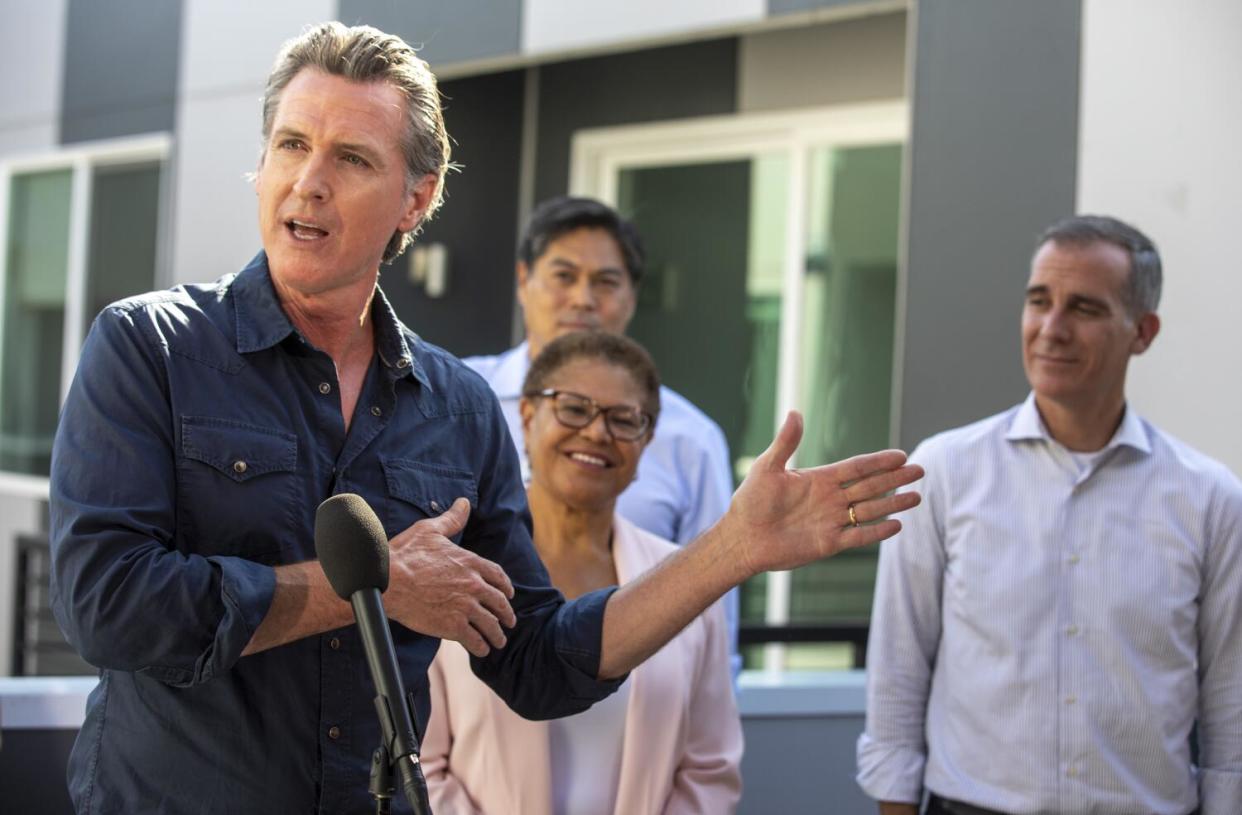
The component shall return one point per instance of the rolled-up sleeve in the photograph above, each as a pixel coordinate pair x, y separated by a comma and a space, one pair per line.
127, 597
905, 634
550, 665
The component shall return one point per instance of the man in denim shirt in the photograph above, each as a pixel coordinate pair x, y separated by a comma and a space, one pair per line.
206, 423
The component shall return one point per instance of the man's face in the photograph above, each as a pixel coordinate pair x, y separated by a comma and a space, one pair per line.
332, 182
579, 283
1077, 331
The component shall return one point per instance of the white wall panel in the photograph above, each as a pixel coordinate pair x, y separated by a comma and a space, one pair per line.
1160, 132
215, 217
228, 47
554, 25
231, 44
31, 46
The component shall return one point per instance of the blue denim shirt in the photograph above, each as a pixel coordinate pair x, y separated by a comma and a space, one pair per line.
200, 434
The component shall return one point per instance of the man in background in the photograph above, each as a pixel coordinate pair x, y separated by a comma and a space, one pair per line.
579, 267
1067, 602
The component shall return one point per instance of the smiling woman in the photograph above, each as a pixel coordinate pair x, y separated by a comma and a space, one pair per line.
670, 740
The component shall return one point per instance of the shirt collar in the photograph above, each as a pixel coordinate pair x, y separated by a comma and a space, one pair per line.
1028, 424
262, 323
510, 373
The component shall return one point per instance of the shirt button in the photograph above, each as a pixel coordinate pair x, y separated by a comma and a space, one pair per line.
1072, 630
325, 388
403, 363
1073, 559
239, 466
1072, 772
1069, 700
375, 410
334, 732
335, 643
435, 506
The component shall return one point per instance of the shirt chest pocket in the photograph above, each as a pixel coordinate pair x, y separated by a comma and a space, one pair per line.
237, 488
418, 490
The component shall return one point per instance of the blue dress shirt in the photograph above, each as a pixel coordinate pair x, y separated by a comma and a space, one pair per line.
683, 484
200, 434
1047, 627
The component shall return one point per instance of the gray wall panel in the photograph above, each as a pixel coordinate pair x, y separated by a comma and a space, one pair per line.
444, 32
993, 156
776, 7
802, 765
676, 82
121, 63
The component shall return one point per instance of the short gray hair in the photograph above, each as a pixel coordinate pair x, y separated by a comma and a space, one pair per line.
1146, 276
365, 54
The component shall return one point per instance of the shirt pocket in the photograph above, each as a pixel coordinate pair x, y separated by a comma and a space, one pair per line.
237, 488
419, 490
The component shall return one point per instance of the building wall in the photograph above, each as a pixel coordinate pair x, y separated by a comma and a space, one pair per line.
990, 162
222, 69
852, 61
1159, 147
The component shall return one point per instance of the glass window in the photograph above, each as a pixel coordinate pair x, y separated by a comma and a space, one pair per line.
772, 279
82, 231
34, 316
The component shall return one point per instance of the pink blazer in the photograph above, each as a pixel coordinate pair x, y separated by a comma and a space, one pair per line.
683, 737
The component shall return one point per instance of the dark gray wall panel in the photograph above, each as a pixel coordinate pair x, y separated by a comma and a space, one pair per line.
478, 222
993, 159
121, 62
444, 32
698, 79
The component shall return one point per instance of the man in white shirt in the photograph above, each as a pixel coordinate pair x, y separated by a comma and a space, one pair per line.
1067, 602
578, 268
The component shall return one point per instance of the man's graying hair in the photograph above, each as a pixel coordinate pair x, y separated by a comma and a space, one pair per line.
365, 54
1146, 277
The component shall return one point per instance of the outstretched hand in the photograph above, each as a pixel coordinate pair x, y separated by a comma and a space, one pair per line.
790, 517
440, 589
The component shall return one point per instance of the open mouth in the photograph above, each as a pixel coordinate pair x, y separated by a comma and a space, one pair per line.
303, 231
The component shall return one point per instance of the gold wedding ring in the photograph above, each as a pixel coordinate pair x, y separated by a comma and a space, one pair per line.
853, 517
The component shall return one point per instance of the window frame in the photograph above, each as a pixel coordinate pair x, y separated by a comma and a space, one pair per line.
81, 159
598, 156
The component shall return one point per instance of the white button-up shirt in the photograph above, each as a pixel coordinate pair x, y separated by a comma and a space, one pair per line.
1047, 630
683, 484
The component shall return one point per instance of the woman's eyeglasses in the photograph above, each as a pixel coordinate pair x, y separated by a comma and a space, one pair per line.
574, 410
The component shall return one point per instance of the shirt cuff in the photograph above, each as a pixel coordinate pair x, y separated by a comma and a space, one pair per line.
579, 640
246, 590
1220, 792
889, 772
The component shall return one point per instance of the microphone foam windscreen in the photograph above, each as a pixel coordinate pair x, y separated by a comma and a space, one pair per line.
351, 545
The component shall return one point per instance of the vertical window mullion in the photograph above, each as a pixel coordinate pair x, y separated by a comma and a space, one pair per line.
75, 286
779, 583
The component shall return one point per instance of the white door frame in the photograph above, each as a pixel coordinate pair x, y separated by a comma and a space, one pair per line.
598, 156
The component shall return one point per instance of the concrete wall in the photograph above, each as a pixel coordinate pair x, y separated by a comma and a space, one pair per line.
1160, 132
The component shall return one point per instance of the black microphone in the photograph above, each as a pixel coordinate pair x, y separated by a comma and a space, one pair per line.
353, 551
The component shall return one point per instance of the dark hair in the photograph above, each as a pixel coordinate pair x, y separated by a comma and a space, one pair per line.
598, 345
365, 54
1146, 278
557, 216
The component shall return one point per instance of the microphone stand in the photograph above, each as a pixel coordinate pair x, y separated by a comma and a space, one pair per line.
399, 747
381, 780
